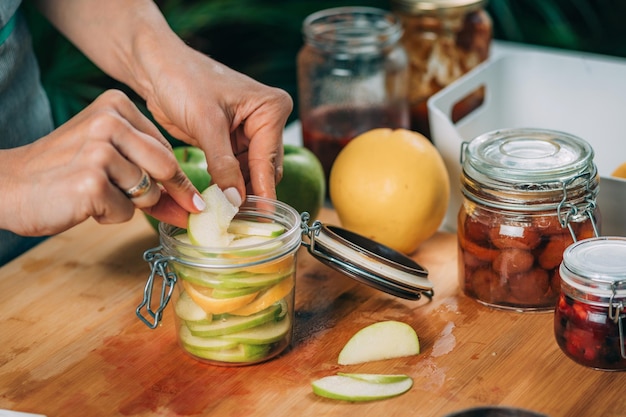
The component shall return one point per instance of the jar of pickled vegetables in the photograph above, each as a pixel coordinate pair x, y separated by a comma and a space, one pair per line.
589, 318
444, 39
528, 194
234, 305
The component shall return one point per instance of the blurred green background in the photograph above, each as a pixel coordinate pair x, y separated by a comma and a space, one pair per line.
262, 37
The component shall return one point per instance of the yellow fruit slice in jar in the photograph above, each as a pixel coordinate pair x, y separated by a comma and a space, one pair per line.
267, 298
202, 297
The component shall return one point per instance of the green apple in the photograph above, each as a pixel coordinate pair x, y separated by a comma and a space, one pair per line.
303, 185
378, 341
193, 163
235, 280
348, 388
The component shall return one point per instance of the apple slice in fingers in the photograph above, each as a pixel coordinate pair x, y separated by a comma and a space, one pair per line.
341, 387
378, 341
209, 228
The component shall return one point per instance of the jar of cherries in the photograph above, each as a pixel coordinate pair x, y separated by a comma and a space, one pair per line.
589, 318
528, 194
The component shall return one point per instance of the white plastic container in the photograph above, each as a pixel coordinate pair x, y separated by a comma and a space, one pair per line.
580, 94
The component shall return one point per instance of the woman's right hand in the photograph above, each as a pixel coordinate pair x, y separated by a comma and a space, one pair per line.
83, 168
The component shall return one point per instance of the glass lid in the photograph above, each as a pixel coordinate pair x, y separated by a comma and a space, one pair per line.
596, 265
367, 261
527, 156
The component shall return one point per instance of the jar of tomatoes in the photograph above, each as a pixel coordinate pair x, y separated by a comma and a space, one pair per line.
352, 77
444, 40
528, 194
589, 318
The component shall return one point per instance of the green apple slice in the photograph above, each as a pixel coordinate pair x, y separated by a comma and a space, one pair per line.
187, 310
209, 228
378, 341
377, 378
346, 388
253, 245
233, 292
233, 324
251, 228
240, 354
240, 279
210, 343
270, 332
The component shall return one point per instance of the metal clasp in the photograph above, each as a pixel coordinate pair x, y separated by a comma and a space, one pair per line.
615, 314
158, 267
565, 211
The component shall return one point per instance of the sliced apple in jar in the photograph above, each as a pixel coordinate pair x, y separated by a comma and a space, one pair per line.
254, 228
242, 353
269, 332
233, 324
203, 297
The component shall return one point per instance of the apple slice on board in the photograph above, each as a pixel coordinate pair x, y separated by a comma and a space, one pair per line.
378, 341
359, 387
209, 228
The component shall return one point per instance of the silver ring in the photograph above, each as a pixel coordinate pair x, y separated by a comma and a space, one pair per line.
141, 188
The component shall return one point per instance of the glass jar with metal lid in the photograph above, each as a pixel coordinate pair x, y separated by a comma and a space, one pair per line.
235, 304
589, 317
528, 194
352, 77
444, 39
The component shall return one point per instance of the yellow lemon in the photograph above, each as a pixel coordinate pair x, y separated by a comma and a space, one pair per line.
391, 186
620, 171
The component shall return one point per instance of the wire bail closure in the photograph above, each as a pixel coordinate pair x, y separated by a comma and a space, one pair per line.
366, 261
572, 210
615, 314
158, 267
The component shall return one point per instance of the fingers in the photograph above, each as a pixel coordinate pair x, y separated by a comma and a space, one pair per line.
144, 149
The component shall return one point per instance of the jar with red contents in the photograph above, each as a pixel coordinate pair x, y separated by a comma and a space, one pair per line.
589, 318
352, 77
528, 194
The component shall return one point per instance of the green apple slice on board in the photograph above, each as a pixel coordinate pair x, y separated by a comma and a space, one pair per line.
378, 341
349, 388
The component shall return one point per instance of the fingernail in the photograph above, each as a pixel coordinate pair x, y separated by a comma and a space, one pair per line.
198, 202
233, 196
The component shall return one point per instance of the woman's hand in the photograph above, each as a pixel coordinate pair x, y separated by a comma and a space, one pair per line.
84, 169
237, 121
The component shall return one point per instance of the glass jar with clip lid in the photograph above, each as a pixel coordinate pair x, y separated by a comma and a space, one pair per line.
589, 317
235, 305
528, 194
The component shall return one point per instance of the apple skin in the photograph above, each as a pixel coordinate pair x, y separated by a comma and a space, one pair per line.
193, 163
303, 185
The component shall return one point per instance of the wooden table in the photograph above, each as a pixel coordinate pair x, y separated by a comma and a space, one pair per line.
71, 344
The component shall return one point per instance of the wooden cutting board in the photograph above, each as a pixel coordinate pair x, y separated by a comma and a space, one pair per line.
71, 344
